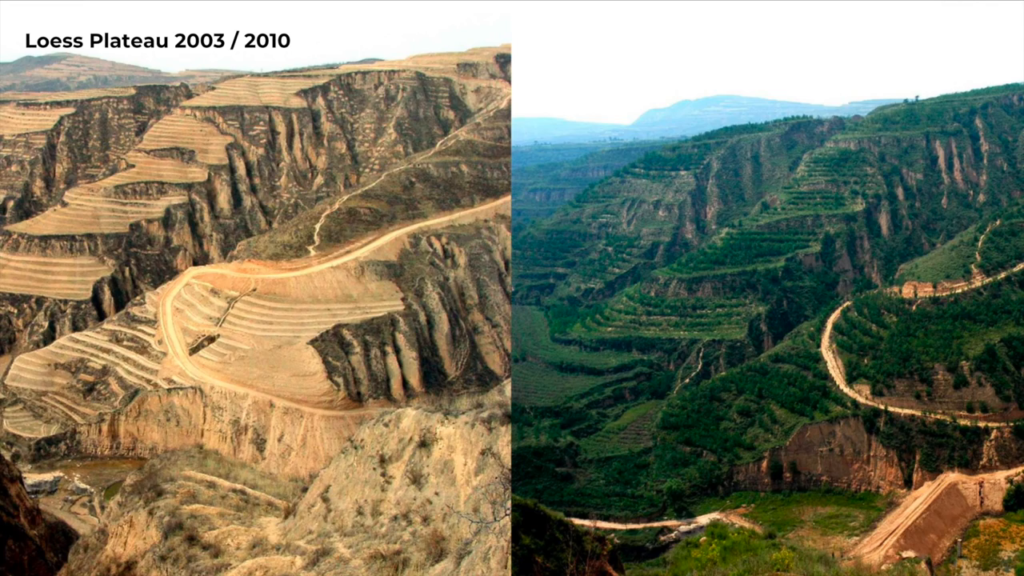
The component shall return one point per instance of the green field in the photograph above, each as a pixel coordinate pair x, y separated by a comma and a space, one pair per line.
531, 340
826, 511
727, 551
537, 384
635, 314
951, 261
633, 430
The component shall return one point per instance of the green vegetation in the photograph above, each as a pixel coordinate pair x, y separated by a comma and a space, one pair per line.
727, 251
976, 336
633, 430
547, 176
742, 250
830, 512
934, 445
111, 491
727, 551
539, 384
635, 315
544, 542
1014, 499
927, 115
742, 412
618, 230
986, 541
531, 340
829, 181
1003, 247
950, 261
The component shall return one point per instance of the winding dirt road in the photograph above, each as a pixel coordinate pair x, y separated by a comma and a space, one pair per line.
835, 364
679, 526
177, 347
407, 163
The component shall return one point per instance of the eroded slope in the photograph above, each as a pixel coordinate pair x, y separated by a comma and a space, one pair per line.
417, 490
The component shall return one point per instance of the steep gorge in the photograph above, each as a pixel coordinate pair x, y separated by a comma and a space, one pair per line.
394, 171
151, 180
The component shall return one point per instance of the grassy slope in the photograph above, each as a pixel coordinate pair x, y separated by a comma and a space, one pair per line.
950, 261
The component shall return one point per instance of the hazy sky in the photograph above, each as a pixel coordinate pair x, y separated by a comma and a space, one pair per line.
611, 62
320, 32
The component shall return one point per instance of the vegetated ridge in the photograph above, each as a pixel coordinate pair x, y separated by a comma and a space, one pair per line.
684, 118
703, 275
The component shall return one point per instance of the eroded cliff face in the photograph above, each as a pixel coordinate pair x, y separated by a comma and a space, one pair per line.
417, 490
32, 543
453, 332
238, 160
449, 333
845, 455
840, 454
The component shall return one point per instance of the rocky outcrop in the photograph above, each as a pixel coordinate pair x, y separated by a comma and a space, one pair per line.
31, 542
272, 361
418, 490
453, 332
336, 131
930, 519
840, 454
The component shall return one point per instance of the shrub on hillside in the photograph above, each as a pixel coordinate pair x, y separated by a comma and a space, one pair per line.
1014, 499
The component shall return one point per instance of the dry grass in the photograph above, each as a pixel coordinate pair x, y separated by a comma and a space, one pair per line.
77, 95
257, 91
69, 278
181, 131
15, 120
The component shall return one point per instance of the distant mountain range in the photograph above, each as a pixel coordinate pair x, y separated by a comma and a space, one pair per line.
681, 119
64, 71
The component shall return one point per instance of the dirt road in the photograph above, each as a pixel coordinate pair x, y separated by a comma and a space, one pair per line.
177, 347
679, 526
835, 364
930, 518
408, 163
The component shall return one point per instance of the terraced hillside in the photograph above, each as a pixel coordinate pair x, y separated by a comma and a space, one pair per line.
208, 513
64, 72
715, 262
545, 177
146, 181
658, 208
954, 355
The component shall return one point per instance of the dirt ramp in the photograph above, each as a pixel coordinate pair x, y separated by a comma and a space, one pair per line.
930, 519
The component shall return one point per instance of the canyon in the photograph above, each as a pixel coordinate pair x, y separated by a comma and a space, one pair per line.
261, 269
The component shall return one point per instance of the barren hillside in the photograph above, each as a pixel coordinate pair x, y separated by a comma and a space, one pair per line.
257, 270
416, 491
62, 72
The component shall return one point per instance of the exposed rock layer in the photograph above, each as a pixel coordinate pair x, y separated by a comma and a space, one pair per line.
31, 542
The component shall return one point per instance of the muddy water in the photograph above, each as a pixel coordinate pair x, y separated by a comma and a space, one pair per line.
99, 473
103, 475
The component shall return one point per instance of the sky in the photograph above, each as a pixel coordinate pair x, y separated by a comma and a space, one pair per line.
611, 62
320, 32
599, 62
